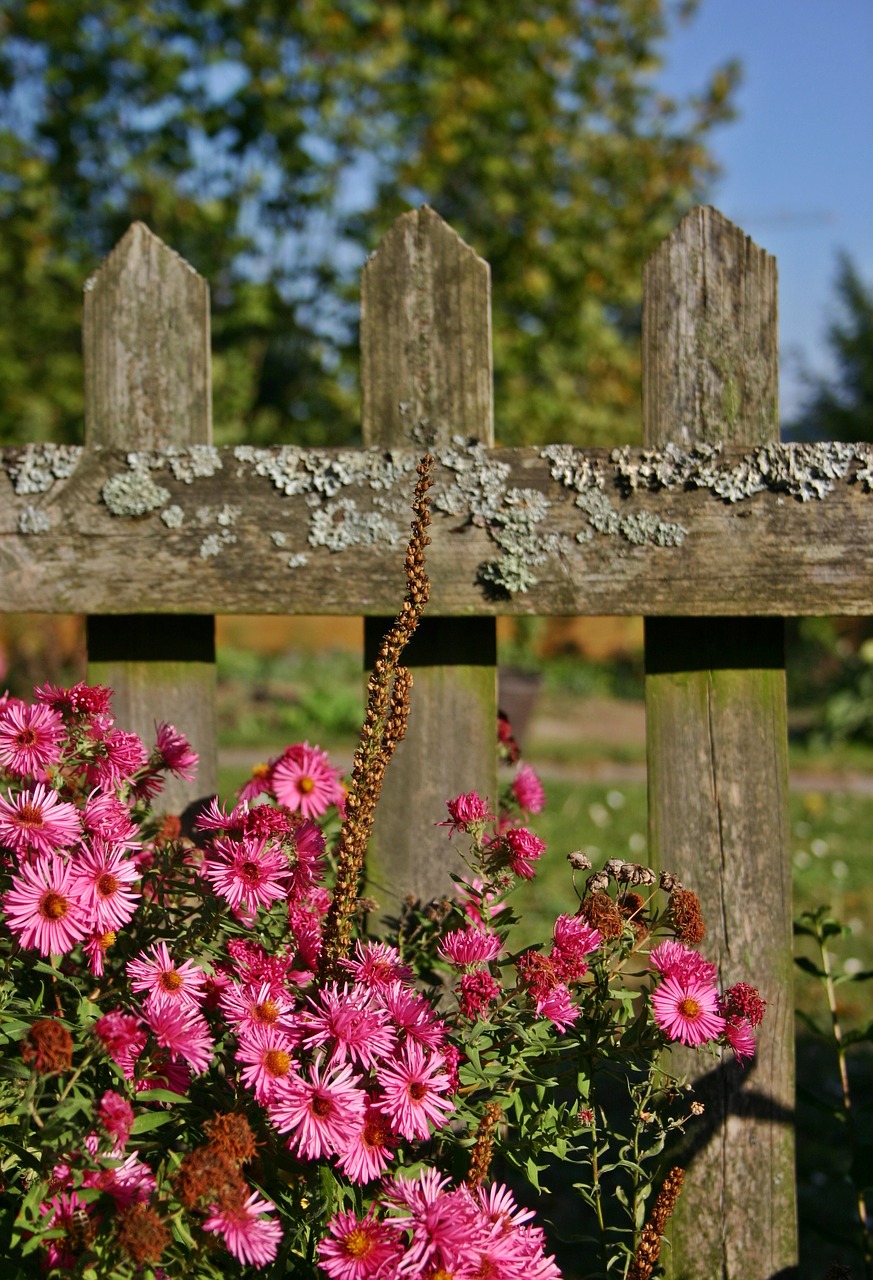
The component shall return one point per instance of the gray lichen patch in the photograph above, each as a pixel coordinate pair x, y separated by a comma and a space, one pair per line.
310, 471
193, 463
804, 471
173, 517
33, 520
340, 525
35, 467
478, 490
133, 493
214, 543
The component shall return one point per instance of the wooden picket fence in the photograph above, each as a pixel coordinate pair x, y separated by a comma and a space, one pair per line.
713, 532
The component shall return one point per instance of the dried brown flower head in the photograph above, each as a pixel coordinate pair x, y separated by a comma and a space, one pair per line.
230, 1134
207, 1175
480, 1156
48, 1047
686, 917
142, 1234
649, 1247
601, 913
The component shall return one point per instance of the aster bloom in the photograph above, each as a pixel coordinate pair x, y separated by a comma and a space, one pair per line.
123, 1037
319, 1112
266, 1053
740, 1038
370, 1150
468, 813
376, 964
687, 1010
742, 1000
246, 1007
463, 947
346, 1020
304, 850
30, 737
412, 1015
164, 980
574, 941
414, 1089
359, 1248
95, 948
115, 1115
118, 757
175, 753
528, 790
131, 1182
41, 907
475, 992
443, 1223
248, 874
259, 784
183, 1031
107, 817
61, 1211
304, 780
102, 877
558, 1007
249, 1233
523, 849
37, 820
674, 960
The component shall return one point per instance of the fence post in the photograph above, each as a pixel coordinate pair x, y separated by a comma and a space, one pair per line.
147, 386
717, 756
426, 377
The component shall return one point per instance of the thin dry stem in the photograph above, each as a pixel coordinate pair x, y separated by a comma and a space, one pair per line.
384, 727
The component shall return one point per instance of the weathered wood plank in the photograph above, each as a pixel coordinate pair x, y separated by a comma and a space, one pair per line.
147, 386
425, 375
717, 757
263, 531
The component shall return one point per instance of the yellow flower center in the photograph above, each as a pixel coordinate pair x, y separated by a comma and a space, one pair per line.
53, 906
689, 1008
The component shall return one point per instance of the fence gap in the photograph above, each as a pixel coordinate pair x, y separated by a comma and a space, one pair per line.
717, 756
426, 377
147, 386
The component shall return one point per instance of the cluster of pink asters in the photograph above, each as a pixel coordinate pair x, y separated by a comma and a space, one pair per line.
688, 1008
301, 778
67, 834
424, 1227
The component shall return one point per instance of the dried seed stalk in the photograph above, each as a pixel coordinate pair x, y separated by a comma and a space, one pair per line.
649, 1247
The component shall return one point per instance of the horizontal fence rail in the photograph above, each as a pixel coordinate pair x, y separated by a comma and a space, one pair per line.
776, 530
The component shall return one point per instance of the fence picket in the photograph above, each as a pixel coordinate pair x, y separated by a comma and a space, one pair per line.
147, 386
717, 755
426, 375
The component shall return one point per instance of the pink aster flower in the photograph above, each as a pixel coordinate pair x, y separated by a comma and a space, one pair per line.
523, 849
321, 1112
41, 907
164, 980
463, 947
304, 779
107, 817
248, 874
558, 1007
131, 1182
116, 1117
359, 1248
674, 960
742, 1000
249, 1233
412, 1015
266, 1052
183, 1031
345, 1020
468, 813
376, 964
123, 1037
443, 1222
30, 737
37, 820
246, 1007
740, 1037
528, 790
687, 1010
101, 877
414, 1089
574, 941
370, 1150
60, 1211
175, 753
119, 756
95, 947
476, 991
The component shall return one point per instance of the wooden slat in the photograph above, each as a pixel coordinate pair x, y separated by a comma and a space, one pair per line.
426, 374
224, 536
717, 758
147, 386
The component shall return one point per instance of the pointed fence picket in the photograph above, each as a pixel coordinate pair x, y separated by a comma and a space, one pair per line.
150, 531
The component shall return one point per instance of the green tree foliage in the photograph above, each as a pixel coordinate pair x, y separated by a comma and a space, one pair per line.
272, 143
841, 407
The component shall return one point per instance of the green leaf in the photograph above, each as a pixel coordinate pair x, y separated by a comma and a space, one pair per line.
148, 1120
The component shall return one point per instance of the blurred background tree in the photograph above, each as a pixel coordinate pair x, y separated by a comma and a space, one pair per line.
841, 407
271, 144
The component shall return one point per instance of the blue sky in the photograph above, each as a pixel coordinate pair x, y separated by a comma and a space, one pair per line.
798, 161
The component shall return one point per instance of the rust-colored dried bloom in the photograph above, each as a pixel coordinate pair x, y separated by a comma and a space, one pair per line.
48, 1047
686, 917
230, 1135
601, 913
630, 905
208, 1176
142, 1234
480, 1156
649, 1247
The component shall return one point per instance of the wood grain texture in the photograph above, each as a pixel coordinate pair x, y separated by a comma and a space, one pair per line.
425, 376
239, 544
717, 760
146, 344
